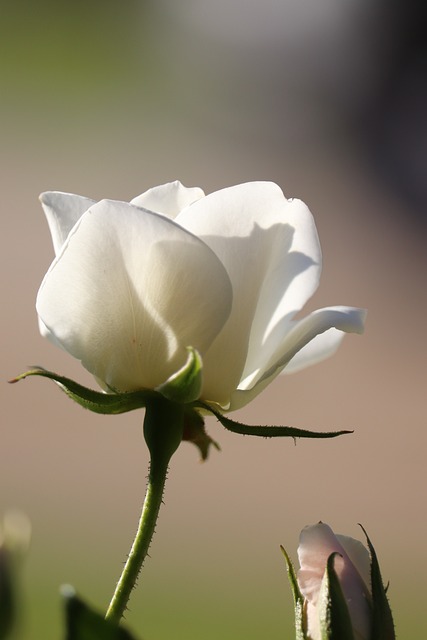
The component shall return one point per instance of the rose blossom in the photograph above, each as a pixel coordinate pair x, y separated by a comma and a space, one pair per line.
133, 284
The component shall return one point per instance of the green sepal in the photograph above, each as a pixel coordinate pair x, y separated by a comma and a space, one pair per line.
7, 594
180, 388
300, 624
382, 619
82, 623
195, 432
334, 616
105, 403
265, 431
185, 385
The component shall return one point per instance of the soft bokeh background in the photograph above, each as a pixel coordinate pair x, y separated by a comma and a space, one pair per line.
329, 100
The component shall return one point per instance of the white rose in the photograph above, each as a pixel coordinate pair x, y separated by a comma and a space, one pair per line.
134, 284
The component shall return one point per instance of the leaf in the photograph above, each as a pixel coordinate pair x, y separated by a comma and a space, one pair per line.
106, 403
335, 622
382, 625
266, 431
82, 623
298, 599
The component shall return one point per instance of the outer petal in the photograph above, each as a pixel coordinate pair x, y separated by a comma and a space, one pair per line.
270, 249
316, 545
129, 291
168, 199
359, 556
321, 347
347, 319
62, 211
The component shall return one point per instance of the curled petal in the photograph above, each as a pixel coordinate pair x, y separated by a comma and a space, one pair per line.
321, 347
119, 297
168, 199
346, 319
62, 210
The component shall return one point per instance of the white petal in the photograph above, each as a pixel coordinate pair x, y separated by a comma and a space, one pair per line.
359, 556
47, 334
270, 249
62, 211
313, 622
356, 591
168, 199
316, 544
321, 347
347, 319
129, 292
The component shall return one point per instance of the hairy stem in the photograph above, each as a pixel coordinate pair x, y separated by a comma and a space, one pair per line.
141, 543
163, 429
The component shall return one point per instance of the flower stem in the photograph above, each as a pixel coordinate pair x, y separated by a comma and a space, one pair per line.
163, 425
139, 550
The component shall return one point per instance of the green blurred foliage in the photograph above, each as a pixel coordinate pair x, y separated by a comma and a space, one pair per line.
63, 52
7, 599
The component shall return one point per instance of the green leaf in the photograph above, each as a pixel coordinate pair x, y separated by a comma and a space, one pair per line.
382, 625
106, 403
300, 623
335, 622
266, 431
7, 596
185, 385
82, 623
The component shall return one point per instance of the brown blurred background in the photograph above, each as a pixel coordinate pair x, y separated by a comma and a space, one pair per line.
329, 100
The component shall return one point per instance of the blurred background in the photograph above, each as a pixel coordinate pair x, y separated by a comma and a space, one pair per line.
326, 98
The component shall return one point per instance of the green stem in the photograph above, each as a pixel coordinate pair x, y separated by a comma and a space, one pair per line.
140, 546
163, 425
